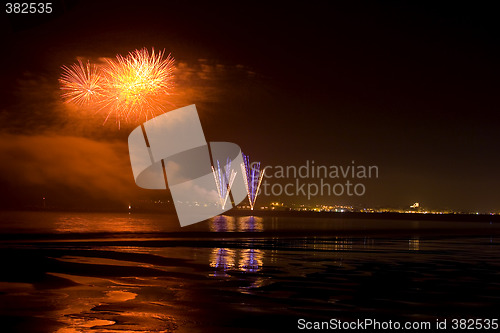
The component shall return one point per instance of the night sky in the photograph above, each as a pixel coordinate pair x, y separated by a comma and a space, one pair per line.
410, 88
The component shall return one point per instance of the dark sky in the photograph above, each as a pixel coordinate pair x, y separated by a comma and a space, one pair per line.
410, 88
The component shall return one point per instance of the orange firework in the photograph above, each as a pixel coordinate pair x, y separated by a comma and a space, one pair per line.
82, 83
135, 86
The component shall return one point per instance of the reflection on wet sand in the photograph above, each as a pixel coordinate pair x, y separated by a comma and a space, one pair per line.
222, 258
212, 281
102, 305
251, 260
246, 260
414, 244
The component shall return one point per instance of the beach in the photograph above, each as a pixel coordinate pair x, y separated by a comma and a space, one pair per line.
111, 272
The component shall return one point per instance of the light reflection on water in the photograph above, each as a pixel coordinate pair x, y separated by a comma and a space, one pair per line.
337, 244
115, 223
96, 224
136, 223
223, 223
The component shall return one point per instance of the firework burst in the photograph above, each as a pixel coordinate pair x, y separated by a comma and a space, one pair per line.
137, 85
81, 83
127, 88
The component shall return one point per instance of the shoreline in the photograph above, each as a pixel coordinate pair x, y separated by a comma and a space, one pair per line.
450, 217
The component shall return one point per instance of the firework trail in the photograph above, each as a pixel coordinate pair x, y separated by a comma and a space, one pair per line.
131, 87
252, 175
224, 181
